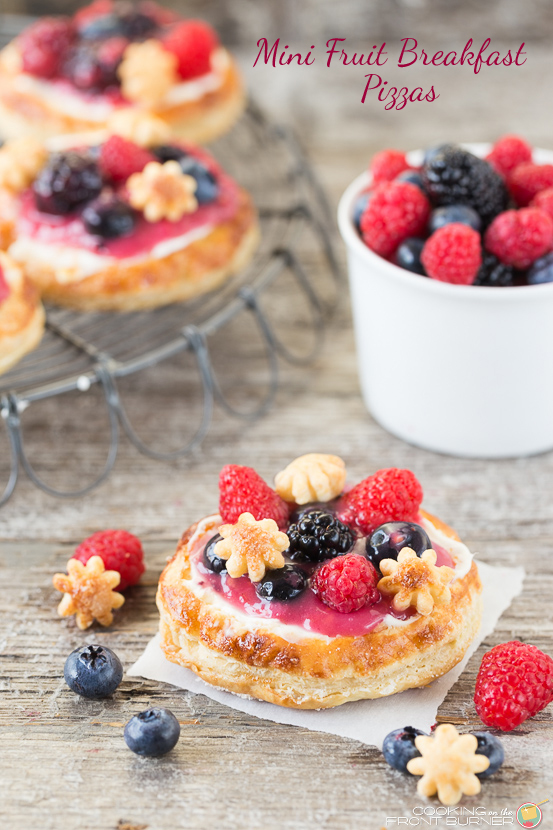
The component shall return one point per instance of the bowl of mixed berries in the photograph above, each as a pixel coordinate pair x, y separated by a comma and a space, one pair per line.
450, 259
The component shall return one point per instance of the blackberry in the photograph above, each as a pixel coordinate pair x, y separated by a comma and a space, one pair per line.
455, 176
136, 25
169, 152
390, 538
493, 273
109, 216
93, 66
211, 561
318, 536
66, 182
282, 584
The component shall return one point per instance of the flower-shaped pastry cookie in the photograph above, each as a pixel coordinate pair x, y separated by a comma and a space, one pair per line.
162, 191
448, 765
416, 581
252, 547
140, 127
311, 477
88, 592
147, 72
20, 161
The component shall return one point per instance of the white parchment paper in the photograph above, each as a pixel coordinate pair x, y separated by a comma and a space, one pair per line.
368, 721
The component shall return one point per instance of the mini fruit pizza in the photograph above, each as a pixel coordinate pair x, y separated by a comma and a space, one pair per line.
462, 219
122, 219
314, 593
21, 314
68, 75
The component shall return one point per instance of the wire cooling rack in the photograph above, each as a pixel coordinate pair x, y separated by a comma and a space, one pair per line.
82, 350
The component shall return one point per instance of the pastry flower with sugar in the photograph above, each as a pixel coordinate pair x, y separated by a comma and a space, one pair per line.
147, 72
20, 161
252, 547
88, 592
448, 765
140, 127
311, 477
416, 581
162, 191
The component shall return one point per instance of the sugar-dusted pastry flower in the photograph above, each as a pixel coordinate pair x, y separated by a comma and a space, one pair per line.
311, 477
415, 581
140, 127
88, 592
162, 191
448, 765
252, 547
147, 72
20, 162
11, 59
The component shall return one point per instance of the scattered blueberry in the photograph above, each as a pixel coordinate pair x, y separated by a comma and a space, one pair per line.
541, 270
413, 177
109, 217
399, 747
464, 214
282, 584
93, 671
207, 187
318, 536
408, 255
387, 540
66, 182
492, 748
211, 561
152, 733
359, 207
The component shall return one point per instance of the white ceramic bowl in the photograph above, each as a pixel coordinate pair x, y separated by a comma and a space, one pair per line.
463, 370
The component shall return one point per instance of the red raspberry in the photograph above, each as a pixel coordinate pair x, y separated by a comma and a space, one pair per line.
387, 164
44, 46
4, 287
192, 42
346, 583
120, 551
387, 496
518, 237
120, 158
453, 254
544, 201
395, 211
242, 490
508, 153
528, 179
514, 683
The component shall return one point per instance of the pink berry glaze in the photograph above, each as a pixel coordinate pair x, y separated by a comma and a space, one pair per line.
306, 611
4, 287
69, 230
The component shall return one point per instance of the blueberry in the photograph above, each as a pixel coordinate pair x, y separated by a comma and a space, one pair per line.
492, 748
93, 671
541, 270
413, 177
359, 207
387, 540
408, 255
109, 217
207, 187
399, 747
107, 25
66, 182
210, 559
282, 584
464, 214
152, 733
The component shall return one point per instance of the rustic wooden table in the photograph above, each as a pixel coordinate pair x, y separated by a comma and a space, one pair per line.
63, 761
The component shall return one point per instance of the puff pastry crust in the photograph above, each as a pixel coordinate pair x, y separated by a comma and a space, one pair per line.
21, 322
239, 653
25, 113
